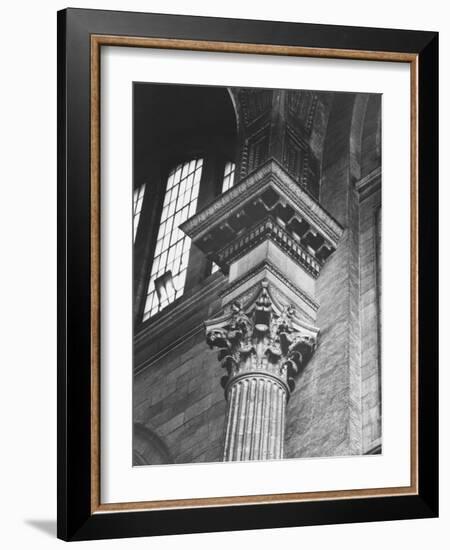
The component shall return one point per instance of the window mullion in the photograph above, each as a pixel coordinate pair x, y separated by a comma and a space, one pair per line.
168, 272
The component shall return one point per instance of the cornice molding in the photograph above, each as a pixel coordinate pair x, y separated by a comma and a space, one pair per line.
269, 228
369, 184
138, 369
268, 176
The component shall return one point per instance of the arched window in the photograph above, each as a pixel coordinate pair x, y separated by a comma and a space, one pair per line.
168, 273
185, 140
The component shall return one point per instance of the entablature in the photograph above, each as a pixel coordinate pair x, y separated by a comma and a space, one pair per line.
268, 203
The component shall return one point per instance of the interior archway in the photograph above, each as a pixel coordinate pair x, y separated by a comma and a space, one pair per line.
148, 447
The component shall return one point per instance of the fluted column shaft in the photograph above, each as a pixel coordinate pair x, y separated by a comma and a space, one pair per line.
255, 419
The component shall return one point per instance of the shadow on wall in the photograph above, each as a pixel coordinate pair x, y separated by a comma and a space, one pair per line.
46, 526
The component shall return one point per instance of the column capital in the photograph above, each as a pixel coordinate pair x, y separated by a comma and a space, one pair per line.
261, 338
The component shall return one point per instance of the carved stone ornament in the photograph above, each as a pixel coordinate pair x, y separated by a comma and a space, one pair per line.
263, 338
267, 201
262, 347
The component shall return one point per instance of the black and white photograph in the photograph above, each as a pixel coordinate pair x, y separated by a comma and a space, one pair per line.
257, 273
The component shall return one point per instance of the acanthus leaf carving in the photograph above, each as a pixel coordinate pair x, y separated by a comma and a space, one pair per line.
262, 338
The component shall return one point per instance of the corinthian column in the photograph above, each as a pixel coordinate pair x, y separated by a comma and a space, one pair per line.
271, 238
262, 348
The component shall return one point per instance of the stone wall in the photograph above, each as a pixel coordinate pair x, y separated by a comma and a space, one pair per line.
178, 395
324, 413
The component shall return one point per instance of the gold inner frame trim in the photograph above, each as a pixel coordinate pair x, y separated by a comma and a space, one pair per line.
97, 41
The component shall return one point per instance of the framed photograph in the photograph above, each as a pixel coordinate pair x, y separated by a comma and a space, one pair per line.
247, 274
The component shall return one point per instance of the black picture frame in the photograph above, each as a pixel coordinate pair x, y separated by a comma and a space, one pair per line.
76, 519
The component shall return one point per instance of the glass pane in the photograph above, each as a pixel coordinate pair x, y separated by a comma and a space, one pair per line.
138, 199
228, 176
172, 248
